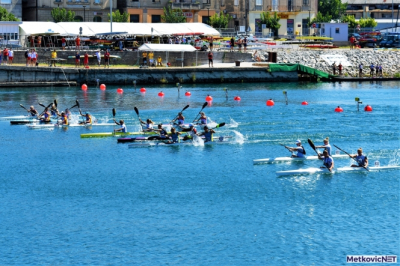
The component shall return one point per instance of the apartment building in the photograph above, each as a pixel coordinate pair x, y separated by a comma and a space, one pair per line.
377, 9
294, 15
85, 10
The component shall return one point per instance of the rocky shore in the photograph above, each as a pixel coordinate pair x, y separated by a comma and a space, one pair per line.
389, 59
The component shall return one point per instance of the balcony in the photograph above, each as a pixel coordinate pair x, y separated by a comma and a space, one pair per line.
285, 8
186, 5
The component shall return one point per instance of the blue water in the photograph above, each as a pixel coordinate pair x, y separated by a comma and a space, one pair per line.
72, 201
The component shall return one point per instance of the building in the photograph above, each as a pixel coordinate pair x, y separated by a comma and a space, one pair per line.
9, 32
85, 10
13, 6
294, 15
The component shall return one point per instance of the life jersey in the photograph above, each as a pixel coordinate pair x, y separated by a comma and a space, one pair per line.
53, 112
149, 126
301, 152
123, 127
328, 162
88, 119
328, 148
33, 112
203, 120
175, 137
208, 136
163, 132
181, 121
361, 160
64, 120
46, 117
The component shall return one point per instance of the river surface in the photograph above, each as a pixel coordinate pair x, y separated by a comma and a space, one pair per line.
72, 201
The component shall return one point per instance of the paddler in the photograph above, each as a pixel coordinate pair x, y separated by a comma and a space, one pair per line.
174, 136
54, 111
64, 119
191, 133
208, 134
32, 111
327, 160
122, 128
163, 134
299, 149
68, 113
87, 116
45, 117
361, 159
202, 119
326, 146
148, 125
180, 119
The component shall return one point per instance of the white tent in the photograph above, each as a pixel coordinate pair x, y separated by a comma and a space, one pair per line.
167, 47
72, 28
41, 28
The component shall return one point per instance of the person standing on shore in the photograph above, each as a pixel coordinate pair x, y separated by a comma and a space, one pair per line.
98, 56
360, 70
245, 44
377, 70
86, 60
151, 58
107, 59
78, 43
5, 56
26, 57
63, 43
34, 57
240, 45
232, 44
159, 61
340, 67
53, 58
380, 70
334, 68
10, 56
77, 60
211, 43
352, 42
144, 56
371, 70
210, 59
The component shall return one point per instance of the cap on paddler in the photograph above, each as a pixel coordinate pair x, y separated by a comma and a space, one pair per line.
298, 141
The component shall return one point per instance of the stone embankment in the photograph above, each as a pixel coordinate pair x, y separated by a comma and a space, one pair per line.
389, 59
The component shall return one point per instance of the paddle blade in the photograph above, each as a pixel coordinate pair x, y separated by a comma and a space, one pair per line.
186, 107
136, 110
204, 105
55, 102
114, 112
77, 104
22, 106
311, 144
41, 104
221, 125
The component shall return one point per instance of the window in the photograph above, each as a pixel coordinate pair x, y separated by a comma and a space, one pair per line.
97, 19
5, 2
155, 18
306, 2
134, 19
258, 2
337, 30
97, 1
206, 1
236, 3
205, 19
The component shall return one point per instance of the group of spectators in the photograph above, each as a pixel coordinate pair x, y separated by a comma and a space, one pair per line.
150, 57
6, 56
373, 69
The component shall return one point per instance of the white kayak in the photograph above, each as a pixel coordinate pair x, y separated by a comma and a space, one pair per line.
182, 143
310, 171
290, 159
42, 126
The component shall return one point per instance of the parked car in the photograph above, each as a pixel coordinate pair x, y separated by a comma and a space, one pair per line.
390, 40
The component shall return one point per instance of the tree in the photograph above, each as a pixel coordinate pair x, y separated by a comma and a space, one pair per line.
173, 15
5, 16
118, 17
271, 23
367, 23
350, 20
320, 18
220, 21
331, 8
62, 15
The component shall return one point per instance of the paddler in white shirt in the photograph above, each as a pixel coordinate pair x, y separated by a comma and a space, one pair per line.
148, 125
326, 146
299, 149
122, 128
191, 133
327, 160
361, 159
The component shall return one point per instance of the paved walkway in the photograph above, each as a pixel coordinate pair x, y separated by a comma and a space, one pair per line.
227, 65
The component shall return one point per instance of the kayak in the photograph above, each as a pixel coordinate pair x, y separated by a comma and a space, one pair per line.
24, 122
41, 126
17, 117
115, 134
290, 159
91, 56
310, 171
183, 143
137, 139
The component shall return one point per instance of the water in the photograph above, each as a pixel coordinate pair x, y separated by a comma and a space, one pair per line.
72, 201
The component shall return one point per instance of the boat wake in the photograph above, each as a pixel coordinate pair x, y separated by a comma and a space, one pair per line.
239, 138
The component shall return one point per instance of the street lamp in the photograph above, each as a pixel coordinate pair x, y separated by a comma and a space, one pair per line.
208, 16
84, 14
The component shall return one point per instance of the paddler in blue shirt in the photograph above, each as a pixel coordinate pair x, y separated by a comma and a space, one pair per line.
326, 146
87, 116
202, 119
361, 159
68, 113
54, 111
148, 125
208, 134
163, 134
45, 117
300, 151
327, 160
180, 119
32, 111
174, 136
122, 128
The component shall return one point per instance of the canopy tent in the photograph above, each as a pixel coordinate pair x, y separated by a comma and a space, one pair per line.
72, 28
41, 28
167, 47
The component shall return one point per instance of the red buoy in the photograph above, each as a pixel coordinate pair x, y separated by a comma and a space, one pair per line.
368, 108
304, 103
84, 87
102, 87
338, 109
142, 90
237, 98
86, 67
119, 90
209, 98
188, 94
270, 102
161, 94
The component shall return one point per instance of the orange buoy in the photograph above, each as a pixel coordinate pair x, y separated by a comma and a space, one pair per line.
84, 87
142, 90
119, 90
161, 94
368, 108
188, 94
338, 109
237, 98
209, 98
304, 103
270, 102
102, 87
86, 67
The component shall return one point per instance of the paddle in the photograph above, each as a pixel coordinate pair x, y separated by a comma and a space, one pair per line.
23, 107
137, 113
285, 147
44, 108
315, 149
350, 157
114, 112
42, 105
204, 105
55, 102
285, 93
184, 108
